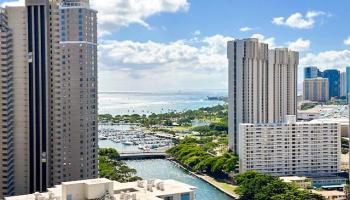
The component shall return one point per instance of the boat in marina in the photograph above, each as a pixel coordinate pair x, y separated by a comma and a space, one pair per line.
128, 143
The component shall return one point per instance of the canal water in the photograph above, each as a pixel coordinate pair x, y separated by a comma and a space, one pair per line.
164, 169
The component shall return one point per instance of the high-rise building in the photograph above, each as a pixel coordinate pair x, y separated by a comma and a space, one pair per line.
347, 71
343, 85
291, 148
311, 72
17, 20
333, 76
38, 77
282, 84
54, 84
6, 109
262, 85
316, 89
74, 91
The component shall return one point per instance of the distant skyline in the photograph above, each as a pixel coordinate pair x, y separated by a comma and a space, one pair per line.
181, 44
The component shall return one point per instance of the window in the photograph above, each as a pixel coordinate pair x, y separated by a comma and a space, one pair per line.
69, 197
185, 196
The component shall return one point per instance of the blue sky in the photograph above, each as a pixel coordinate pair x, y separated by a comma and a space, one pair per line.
153, 45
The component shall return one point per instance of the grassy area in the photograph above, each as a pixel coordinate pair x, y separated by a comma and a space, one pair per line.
228, 188
180, 128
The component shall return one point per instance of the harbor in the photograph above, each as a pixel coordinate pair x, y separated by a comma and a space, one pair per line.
131, 138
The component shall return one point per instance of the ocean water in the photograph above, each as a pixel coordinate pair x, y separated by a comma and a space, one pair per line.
120, 103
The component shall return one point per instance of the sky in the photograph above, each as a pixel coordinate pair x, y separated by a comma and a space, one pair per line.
162, 45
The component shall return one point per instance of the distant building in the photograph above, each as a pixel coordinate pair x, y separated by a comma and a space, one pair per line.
112, 190
262, 84
316, 89
301, 181
331, 194
343, 85
347, 79
311, 72
308, 115
291, 148
333, 76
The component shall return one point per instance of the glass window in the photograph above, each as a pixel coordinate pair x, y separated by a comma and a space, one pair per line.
185, 196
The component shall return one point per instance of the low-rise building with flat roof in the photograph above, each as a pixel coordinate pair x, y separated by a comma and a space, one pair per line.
112, 190
301, 181
308, 115
331, 194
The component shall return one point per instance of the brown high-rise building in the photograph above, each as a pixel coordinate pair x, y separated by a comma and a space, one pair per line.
52, 94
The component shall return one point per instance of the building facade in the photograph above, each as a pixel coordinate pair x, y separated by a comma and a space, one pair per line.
7, 173
316, 89
333, 76
282, 84
262, 84
74, 91
343, 85
17, 20
291, 148
311, 72
347, 71
54, 93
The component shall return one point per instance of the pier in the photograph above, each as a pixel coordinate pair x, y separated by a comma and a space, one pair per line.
137, 155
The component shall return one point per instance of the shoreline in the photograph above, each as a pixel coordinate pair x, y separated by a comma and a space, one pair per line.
205, 179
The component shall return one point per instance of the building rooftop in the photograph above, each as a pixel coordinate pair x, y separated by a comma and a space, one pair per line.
343, 121
99, 188
289, 179
329, 193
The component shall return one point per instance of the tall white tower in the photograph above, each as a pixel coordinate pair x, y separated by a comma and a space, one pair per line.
262, 85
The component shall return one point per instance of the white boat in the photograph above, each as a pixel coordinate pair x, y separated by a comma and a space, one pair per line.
128, 143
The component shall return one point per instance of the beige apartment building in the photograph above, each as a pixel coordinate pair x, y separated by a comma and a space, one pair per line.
262, 85
282, 85
316, 89
54, 93
6, 108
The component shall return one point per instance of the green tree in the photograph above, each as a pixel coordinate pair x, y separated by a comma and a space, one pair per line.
253, 185
109, 152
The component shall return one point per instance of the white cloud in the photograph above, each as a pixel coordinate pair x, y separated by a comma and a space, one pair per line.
347, 41
245, 29
208, 53
176, 64
297, 20
299, 45
327, 59
197, 32
113, 14
270, 41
